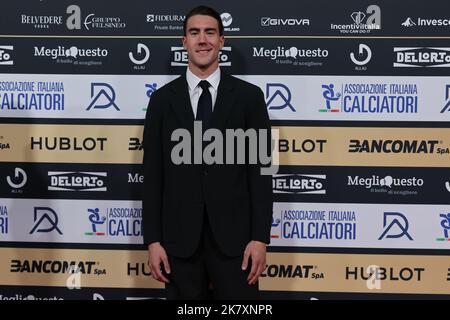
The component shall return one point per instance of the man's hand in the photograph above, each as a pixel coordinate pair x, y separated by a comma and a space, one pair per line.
156, 256
256, 251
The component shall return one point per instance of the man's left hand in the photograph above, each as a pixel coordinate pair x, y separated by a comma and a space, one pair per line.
256, 251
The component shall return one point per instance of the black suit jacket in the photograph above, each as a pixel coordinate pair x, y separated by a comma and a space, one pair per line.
238, 198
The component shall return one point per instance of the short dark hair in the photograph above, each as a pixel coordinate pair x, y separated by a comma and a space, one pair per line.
204, 11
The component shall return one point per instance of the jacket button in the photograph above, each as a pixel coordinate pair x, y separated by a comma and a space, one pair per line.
205, 172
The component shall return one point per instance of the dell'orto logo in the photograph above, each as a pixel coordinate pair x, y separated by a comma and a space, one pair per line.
18, 180
143, 54
304, 184
180, 57
395, 226
103, 96
364, 55
46, 220
447, 99
278, 97
5, 55
421, 57
77, 181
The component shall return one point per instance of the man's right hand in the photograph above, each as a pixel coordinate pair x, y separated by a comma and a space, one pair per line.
156, 256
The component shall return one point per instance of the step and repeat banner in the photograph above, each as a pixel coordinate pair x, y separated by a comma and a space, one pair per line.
360, 94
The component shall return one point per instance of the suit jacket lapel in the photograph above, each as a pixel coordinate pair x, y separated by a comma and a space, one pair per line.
181, 103
224, 102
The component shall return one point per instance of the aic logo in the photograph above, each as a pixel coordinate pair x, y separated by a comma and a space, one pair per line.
392, 220
46, 217
447, 99
330, 98
278, 97
180, 57
143, 54
421, 57
364, 55
150, 88
5, 55
3, 219
445, 224
19, 179
105, 91
95, 219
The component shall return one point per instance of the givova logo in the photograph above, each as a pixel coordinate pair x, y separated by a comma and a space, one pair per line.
180, 57
298, 184
292, 271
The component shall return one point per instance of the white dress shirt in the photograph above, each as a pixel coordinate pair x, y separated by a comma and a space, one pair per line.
195, 90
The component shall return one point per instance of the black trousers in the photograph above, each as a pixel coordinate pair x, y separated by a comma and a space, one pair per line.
193, 278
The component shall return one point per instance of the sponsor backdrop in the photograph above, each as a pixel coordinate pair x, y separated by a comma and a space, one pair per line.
360, 94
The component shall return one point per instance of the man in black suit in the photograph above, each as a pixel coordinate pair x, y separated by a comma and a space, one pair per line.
205, 224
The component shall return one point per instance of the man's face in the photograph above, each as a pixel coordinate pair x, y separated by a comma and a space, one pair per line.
203, 42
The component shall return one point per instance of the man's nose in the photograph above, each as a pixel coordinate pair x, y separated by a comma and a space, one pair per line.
202, 37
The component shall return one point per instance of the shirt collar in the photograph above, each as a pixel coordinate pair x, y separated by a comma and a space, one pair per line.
193, 80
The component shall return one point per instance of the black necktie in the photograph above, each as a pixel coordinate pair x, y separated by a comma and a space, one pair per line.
204, 107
